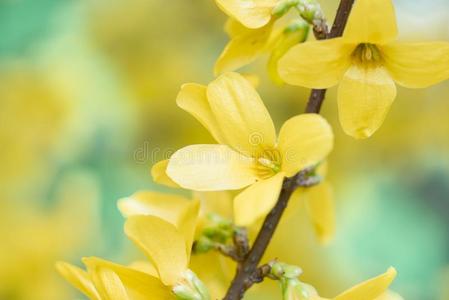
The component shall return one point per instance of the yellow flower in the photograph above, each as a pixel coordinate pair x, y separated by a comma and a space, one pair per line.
255, 29
105, 280
251, 13
164, 229
248, 154
214, 269
366, 62
373, 289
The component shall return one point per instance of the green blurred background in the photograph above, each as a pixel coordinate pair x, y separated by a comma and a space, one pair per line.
87, 105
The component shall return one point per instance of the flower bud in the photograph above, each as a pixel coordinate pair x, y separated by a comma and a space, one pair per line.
190, 287
293, 289
284, 271
203, 245
283, 6
310, 10
293, 34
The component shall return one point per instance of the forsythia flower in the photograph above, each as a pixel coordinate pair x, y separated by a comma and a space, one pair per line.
248, 153
366, 61
372, 289
254, 30
165, 233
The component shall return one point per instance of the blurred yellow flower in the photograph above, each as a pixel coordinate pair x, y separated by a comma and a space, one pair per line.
34, 238
366, 61
248, 153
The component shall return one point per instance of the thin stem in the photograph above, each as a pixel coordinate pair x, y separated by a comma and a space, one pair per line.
246, 270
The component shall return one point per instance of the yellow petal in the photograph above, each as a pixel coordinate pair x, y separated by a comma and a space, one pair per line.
79, 279
145, 267
389, 295
187, 224
371, 21
251, 13
216, 202
160, 176
109, 284
233, 27
284, 42
193, 99
168, 207
138, 284
316, 64
320, 207
241, 114
177, 210
243, 49
163, 244
252, 78
364, 99
211, 168
304, 140
417, 65
257, 200
369, 289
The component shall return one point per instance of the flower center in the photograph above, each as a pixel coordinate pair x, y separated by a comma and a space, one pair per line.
367, 55
268, 164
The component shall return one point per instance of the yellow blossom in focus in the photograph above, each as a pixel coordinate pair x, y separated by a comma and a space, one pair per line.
164, 231
366, 62
248, 154
255, 29
372, 289
214, 269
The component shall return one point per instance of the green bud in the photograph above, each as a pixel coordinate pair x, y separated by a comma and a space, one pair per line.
218, 229
293, 289
295, 33
203, 245
277, 270
283, 7
310, 10
292, 271
190, 287
282, 270
185, 293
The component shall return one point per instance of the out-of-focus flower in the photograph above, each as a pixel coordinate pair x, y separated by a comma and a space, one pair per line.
319, 204
366, 62
33, 239
248, 153
32, 119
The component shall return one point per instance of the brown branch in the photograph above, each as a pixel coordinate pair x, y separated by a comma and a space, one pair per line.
344, 9
249, 267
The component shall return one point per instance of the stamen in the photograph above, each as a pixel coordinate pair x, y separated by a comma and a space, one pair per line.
367, 54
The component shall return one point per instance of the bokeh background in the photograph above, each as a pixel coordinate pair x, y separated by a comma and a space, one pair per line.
87, 105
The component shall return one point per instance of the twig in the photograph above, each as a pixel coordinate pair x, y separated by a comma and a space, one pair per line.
248, 268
